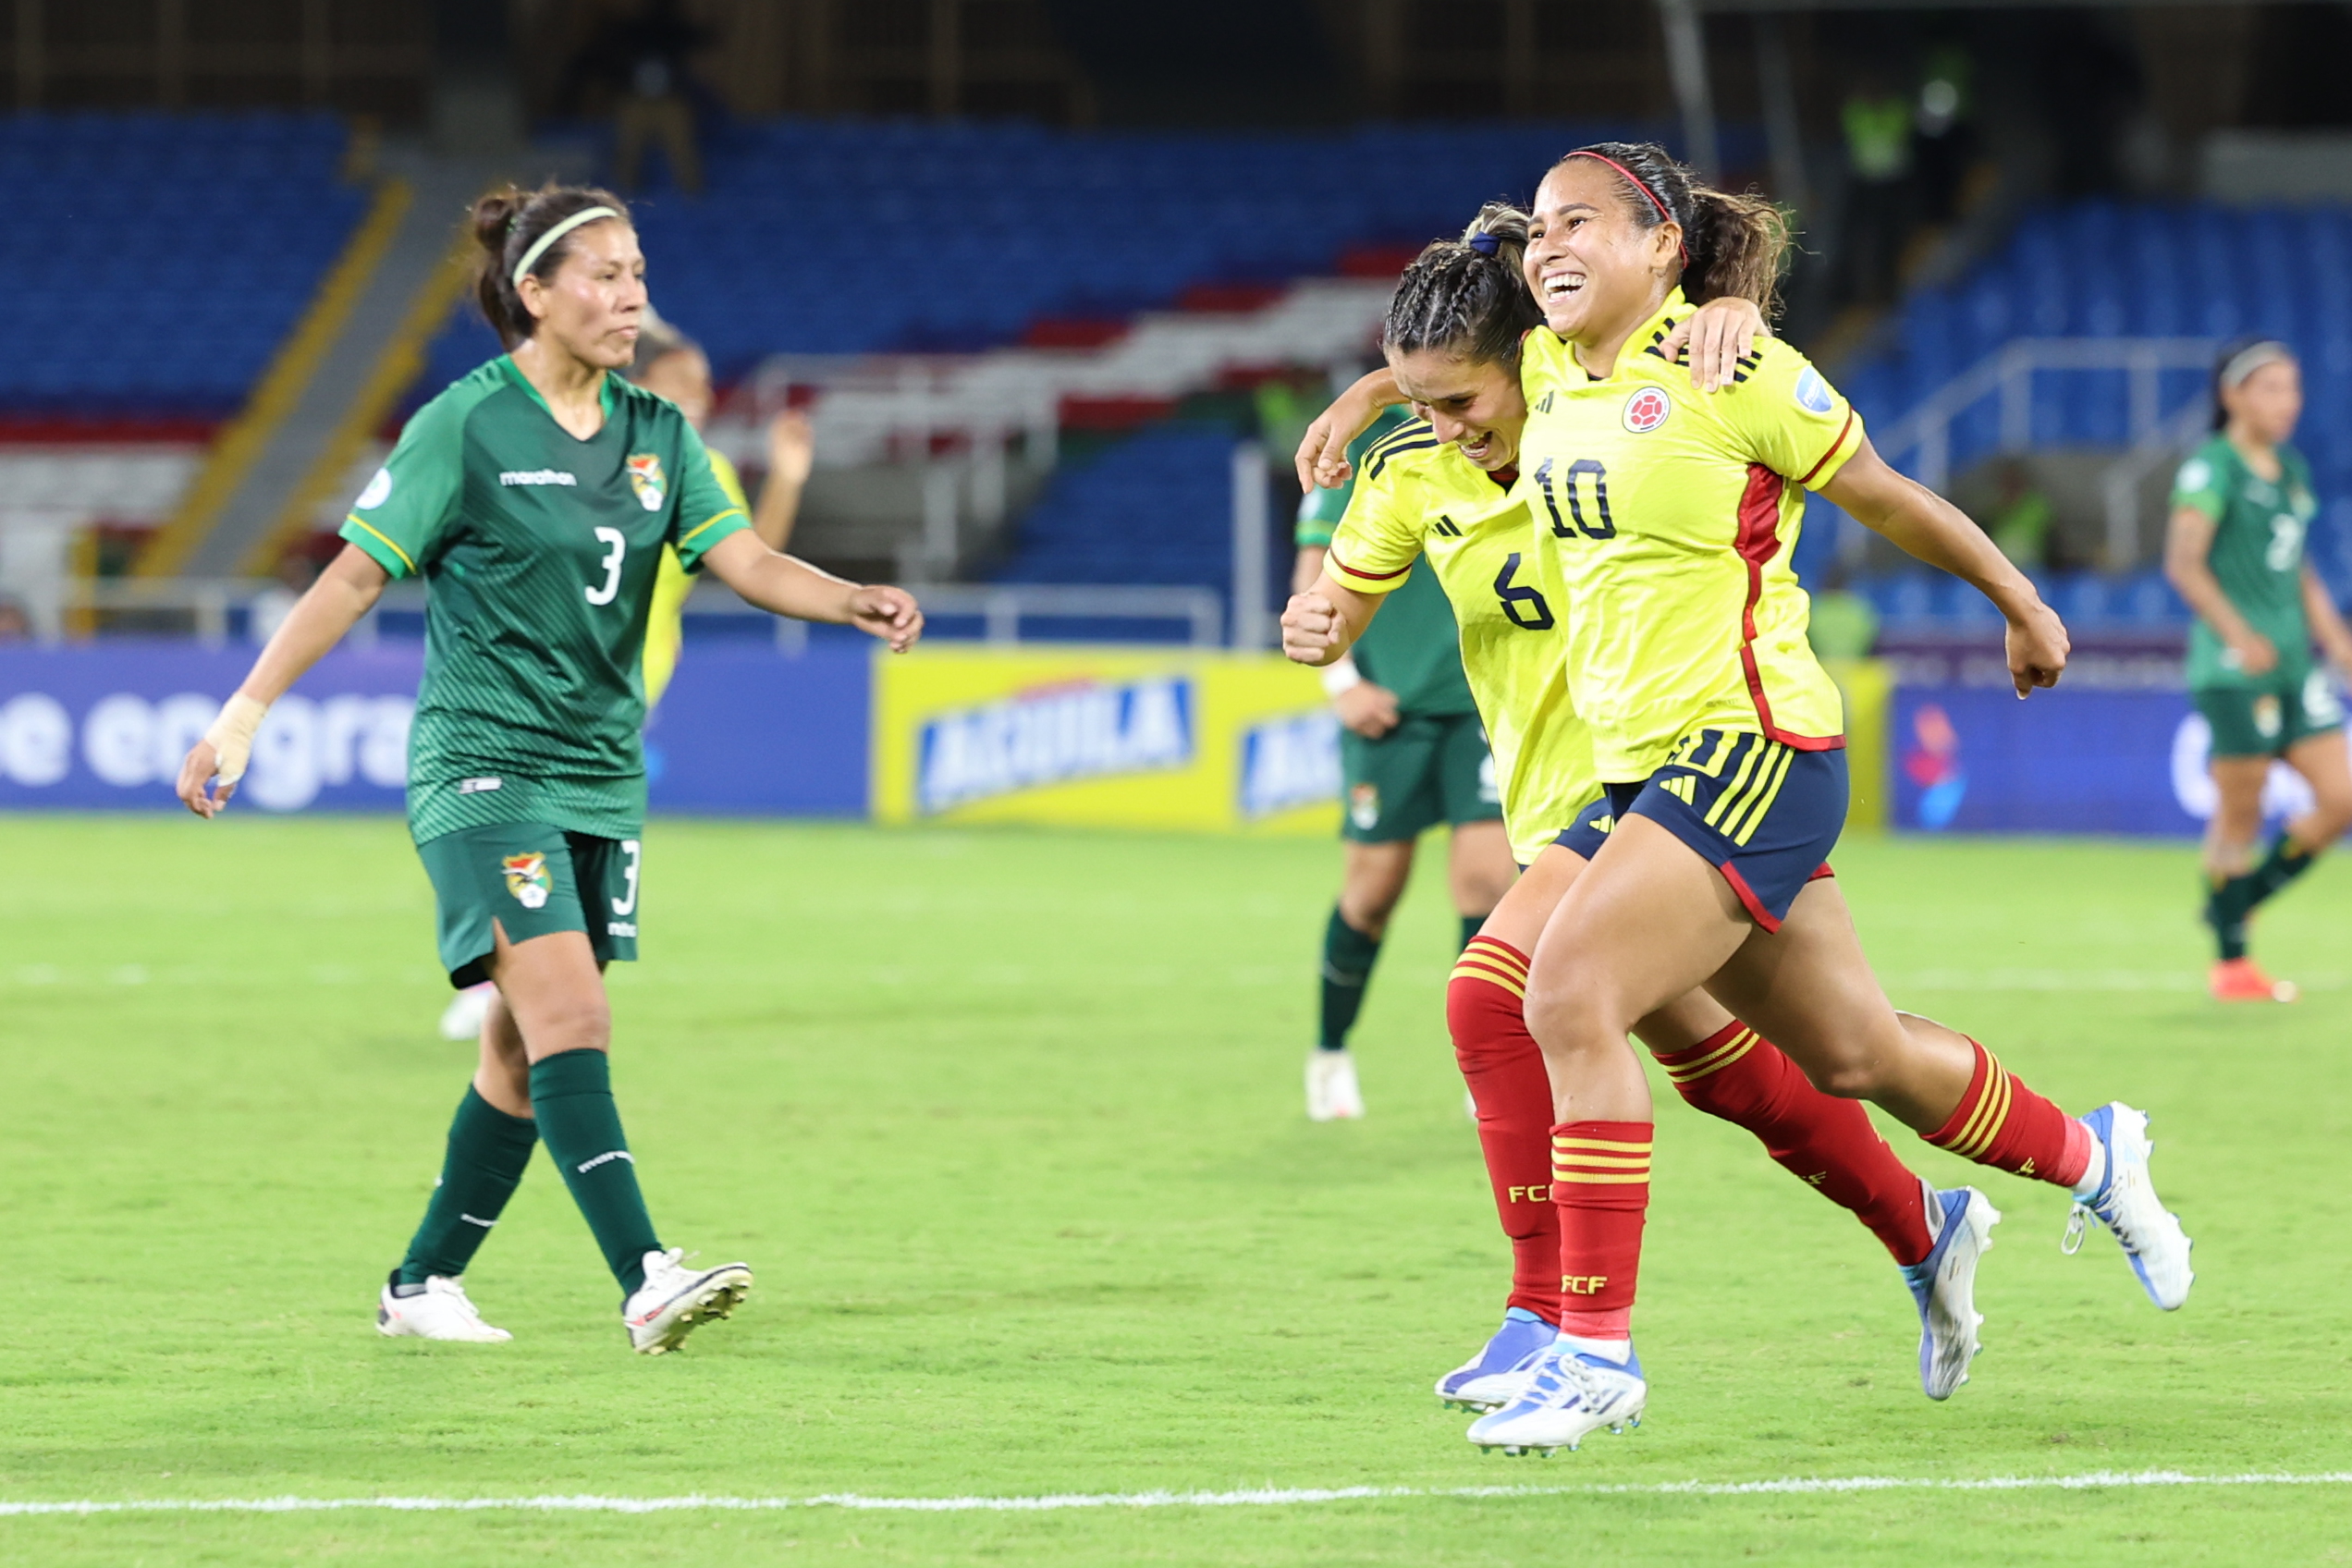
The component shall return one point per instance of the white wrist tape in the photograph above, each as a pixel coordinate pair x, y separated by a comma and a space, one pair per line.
1341, 676
231, 736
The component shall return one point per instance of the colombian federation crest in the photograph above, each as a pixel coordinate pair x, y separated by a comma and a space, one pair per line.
527, 880
645, 478
1646, 410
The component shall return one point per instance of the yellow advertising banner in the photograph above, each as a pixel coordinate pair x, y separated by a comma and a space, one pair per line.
1867, 686
1123, 737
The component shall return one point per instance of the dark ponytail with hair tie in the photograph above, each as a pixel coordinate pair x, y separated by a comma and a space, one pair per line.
1733, 245
507, 222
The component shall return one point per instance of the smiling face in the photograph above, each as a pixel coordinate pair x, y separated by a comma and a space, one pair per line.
1479, 407
591, 305
2266, 406
1593, 269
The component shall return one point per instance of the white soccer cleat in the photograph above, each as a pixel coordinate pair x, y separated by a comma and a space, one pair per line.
1503, 1367
2126, 1204
1945, 1286
461, 1020
1572, 1395
675, 1300
440, 1311
1331, 1094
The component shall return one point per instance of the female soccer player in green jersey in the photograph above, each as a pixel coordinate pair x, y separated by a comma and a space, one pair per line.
535, 497
1719, 741
2242, 504
672, 365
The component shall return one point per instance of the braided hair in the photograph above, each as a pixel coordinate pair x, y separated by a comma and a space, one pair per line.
1466, 297
1733, 245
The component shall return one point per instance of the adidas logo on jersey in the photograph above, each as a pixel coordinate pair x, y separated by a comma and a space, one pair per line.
537, 476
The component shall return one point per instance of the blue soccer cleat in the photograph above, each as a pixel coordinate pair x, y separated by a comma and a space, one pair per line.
1494, 1377
1573, 1394
1945, 1284
2126, 1204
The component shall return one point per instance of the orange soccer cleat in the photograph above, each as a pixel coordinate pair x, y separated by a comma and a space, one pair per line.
2240, 980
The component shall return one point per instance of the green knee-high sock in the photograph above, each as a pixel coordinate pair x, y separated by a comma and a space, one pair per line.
1471, 924
487, 1155
2226, 904
2282, 866
1347, 968
571, 1095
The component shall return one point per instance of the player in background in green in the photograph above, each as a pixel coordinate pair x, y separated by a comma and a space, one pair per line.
535, 497
1412, 754
2242, 504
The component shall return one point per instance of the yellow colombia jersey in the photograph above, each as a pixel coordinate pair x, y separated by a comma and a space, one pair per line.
1417, 495
1674, 517
665, 627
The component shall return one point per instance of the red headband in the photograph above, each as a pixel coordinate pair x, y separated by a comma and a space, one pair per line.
1641, 185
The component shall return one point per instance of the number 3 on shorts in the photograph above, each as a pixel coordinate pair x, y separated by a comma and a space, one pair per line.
628, 906
611, 563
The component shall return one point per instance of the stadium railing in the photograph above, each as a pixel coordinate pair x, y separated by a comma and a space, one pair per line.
212, 610
2007, 374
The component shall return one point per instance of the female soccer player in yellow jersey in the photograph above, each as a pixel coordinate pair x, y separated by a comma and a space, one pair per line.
1439, 489
1719, 740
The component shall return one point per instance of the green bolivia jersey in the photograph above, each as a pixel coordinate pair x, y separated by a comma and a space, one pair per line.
1412, 647
2258, 528
542, 551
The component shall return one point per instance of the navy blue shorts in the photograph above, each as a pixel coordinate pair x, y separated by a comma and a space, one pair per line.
1589, 828
1763, 814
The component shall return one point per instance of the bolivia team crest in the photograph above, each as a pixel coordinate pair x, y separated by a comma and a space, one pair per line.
645, 478
527, 880
1364, 807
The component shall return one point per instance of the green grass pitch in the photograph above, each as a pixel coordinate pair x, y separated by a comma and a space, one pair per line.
1008, 1124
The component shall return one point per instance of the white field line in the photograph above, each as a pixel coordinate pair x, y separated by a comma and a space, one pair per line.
1269, 1497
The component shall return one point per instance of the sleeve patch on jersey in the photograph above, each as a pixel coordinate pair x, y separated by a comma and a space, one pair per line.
2195, 474
1813, 393
378, 491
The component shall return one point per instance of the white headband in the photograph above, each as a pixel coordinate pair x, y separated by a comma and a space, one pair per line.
539, 246
2253, 356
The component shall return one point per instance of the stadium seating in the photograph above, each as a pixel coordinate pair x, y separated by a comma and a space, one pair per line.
155, 263
2104, 269
835, 238
1152, 508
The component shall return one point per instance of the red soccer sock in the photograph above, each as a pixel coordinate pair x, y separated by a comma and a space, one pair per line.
2002, 1123
1601, 1184
1505, 1072
1825, 1142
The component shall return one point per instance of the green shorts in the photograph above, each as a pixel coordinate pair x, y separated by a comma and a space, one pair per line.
2264, 718
530, 879
1423, 772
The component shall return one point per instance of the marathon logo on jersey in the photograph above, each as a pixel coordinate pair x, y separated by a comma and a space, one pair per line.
1055, 735
537, 476
1289, 763
527, 880
645, 478
1646, 410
